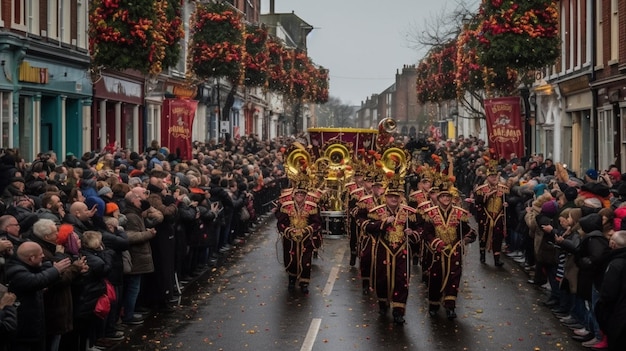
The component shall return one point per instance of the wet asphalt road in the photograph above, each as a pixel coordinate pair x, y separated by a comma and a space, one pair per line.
245, 305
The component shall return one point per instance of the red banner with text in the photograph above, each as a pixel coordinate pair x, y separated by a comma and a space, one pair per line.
176, 123
504, 126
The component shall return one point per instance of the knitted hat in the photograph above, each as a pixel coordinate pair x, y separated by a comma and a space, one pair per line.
549, 208
104, 190
592, 173
570, 193
88, 174
110, 208
539, 189
65, 230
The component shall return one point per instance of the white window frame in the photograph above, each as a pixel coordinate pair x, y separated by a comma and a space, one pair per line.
65, 22
605, 132
82, 15
29, 13
19, 23
53, 19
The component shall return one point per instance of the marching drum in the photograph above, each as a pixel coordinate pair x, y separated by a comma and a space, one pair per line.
334, 224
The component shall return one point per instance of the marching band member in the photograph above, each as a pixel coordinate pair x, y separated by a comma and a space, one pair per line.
394, 225
350, 199
420, 199
490, 206
369, 197
299, 225
445, 241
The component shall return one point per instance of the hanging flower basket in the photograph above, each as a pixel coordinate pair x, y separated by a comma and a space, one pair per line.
436, 74
257, 56
519, 34
301, 76
123, 35
320, 85
171, 25
217, 47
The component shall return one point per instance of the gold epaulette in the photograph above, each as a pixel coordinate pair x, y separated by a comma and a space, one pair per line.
358, 192
365, 201
310, 206
461, 213
287, 206
430, 212
480, 189
351, 186
408, 208
503, 188
377, 212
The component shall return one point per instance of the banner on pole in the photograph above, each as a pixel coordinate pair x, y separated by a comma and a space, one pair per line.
504, 126
176, 124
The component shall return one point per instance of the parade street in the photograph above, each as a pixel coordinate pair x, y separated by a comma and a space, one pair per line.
244, 305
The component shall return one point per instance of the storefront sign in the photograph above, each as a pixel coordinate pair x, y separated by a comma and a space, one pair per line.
30, 74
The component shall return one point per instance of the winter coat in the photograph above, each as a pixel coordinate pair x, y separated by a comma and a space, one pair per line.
117, 242
28, 284
91, 286
611, 308
8, 325
545, 252
139, 240
592, 255
570, 270
58, 296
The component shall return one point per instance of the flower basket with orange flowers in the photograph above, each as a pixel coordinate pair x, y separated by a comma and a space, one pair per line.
320, 86
217, 47
519, 34
171, 25
257, 56
126, 34
301, 73
436, 74
278, 78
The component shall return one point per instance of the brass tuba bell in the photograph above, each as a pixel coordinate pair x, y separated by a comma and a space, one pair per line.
386, 127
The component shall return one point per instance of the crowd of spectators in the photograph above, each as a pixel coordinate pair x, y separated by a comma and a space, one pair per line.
88, 243
564, 230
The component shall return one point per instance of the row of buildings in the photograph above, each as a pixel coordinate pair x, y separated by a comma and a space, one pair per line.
576, 109
52, 98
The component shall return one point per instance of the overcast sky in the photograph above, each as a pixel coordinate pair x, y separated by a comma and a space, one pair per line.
362, 42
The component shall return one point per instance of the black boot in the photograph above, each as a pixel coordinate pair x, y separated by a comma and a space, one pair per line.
482, 256
497, 262
450, 313
398, 317
304, 287
352, 258
366, 288
432, 309
383, 308
292, 284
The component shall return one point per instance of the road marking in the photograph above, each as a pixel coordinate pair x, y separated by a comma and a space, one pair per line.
311, 335
334, 272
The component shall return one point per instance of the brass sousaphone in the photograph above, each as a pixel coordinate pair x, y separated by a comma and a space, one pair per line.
339, 155
395, 160
298, 160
